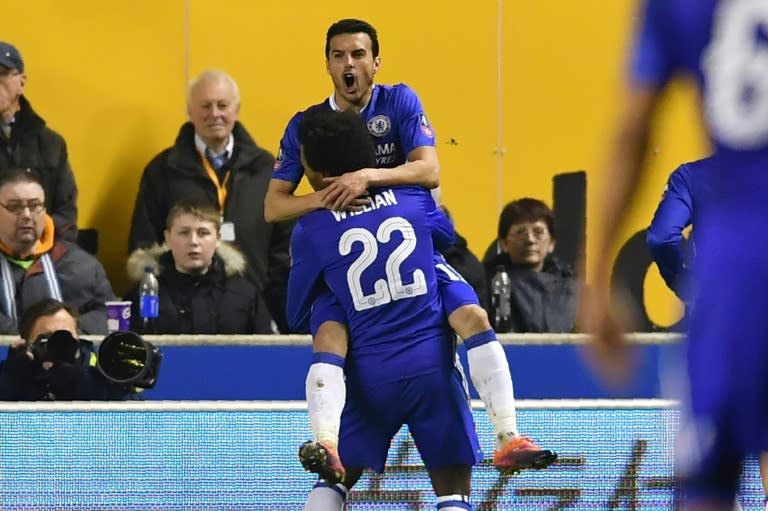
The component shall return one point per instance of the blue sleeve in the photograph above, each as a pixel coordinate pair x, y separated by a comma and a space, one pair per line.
443, 232
325, 308
665, 234
652, 57
303, 281
414, 128
288, 162
440, 226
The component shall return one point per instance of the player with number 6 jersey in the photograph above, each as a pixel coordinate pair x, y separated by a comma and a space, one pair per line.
723, 46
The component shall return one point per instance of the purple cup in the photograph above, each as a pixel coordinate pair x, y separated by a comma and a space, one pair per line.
118, 316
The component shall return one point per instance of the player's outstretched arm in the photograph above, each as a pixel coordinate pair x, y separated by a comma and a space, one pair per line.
601, 314
422, 169
280, 204
625, 169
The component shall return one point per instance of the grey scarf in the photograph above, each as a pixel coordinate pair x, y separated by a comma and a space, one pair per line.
8, 288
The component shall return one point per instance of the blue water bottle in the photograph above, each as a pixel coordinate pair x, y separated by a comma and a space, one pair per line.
149, 301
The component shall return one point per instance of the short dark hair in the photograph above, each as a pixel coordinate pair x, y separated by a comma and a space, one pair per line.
352, 26
45, 307
525, 210
336, 142
20, 175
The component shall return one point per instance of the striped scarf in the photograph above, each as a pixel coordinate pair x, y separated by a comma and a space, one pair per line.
8, 287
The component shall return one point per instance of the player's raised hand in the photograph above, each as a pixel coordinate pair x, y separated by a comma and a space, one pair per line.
607, 318
344, 190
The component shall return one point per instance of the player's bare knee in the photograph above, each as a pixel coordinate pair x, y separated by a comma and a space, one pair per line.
469, 320
351, 476
331, 337
453, 480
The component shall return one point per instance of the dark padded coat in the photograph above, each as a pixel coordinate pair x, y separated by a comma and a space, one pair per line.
178, 173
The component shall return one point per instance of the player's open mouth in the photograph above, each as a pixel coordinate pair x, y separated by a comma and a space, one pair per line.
349, 80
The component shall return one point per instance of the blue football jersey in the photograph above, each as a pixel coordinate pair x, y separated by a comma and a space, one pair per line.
379, 265
676, 210
724, 45
395, 119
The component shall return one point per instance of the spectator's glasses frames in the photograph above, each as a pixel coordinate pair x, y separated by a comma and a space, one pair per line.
522, 233
17, 208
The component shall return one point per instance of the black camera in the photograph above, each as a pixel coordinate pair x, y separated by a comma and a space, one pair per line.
60, 346
125, 357
59, 367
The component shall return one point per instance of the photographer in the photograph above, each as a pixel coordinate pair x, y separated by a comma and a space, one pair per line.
50, 361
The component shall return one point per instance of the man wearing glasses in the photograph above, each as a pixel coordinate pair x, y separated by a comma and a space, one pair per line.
543, 291
35, 265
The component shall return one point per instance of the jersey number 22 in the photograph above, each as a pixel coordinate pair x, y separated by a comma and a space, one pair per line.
386, 289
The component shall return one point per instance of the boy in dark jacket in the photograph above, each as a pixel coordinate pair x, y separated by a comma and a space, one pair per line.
203, 289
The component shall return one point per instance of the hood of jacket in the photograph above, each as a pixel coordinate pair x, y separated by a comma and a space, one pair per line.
232, 260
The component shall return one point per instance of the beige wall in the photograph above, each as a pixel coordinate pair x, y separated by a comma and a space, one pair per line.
110, 76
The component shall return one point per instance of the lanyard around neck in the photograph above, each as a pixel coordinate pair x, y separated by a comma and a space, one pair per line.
221, 186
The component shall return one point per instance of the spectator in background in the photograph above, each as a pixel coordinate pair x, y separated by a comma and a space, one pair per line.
468, 265
34, 371
26, 142
34, 265
10, 88
215, 159
544, 292
203, 289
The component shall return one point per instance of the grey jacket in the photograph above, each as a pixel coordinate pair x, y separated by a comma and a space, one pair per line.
83, 284
542, 301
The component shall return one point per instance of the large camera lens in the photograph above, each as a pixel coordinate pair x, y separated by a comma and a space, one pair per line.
124, 357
